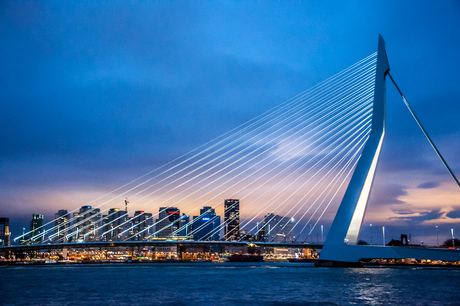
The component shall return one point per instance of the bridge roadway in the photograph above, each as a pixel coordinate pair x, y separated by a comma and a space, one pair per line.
187, 243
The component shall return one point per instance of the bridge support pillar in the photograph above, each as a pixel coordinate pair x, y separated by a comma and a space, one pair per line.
347, 223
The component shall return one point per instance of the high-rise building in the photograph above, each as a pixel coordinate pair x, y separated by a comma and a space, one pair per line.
232, 219
168, 222
36, 229
142, 225
278, 229
61, 226
73, 227
4, 231
260, 232
89, 223
115, 225
206, 225
184, 226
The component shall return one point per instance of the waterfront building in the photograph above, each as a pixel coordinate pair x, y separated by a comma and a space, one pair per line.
141, 225
232, 219
73, 227
245, 236
277, 228
4, 232
168, 222
114, 225
36, 228
206, 225
261, 232
89, 222
61, 226
184, 225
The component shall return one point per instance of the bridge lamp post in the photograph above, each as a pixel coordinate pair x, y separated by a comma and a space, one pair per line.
383, 231
371, 233
322, 240
453, 241
437, 238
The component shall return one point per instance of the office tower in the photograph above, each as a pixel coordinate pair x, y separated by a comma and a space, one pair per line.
206, 225
184, 226
232, 219
278, 229
115, 225
141, 225
36, 229
61, 226
168, 222
89, 222
4, 232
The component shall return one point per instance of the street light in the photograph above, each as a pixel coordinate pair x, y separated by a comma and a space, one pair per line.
437, 239
322, 240
452, 232
383, 230
371, 233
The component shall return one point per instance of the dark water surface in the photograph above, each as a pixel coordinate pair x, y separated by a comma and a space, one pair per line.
226, 284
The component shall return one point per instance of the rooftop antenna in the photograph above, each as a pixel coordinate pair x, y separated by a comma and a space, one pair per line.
126, 204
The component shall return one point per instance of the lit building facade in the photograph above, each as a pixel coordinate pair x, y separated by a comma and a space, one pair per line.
4, 231
89, 223
141, 225
232, 219
36, 228
115, 225
61, 226
184, 226
277, 228
206, 225
168, 222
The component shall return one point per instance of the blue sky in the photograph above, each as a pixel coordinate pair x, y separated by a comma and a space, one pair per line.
96, 94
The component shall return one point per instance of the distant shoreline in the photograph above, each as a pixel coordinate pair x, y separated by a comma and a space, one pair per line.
144, 262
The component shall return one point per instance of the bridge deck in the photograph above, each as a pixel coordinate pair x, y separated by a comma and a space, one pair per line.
105, 244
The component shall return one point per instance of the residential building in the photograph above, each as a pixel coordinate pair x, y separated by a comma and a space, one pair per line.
61, 226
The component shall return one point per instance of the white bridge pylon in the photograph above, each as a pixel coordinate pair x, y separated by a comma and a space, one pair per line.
340, 247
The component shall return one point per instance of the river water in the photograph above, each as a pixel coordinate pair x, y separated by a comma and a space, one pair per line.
226, 284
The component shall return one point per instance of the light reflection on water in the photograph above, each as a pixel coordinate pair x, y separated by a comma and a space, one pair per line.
226, 284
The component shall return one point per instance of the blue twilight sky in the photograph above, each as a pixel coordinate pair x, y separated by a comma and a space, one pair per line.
94, 94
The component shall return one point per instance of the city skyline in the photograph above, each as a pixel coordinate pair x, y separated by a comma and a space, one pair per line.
90, 107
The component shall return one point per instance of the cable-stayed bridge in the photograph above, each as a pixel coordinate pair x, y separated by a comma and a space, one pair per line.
271, 179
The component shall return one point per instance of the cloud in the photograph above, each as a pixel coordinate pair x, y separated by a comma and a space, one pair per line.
420, 217
388, 194
453, 214
428, 185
